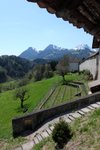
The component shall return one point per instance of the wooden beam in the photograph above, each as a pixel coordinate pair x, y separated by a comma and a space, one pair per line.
96, 42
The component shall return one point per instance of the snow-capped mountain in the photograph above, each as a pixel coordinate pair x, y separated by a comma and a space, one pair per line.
51, 46
54, 52
82, 47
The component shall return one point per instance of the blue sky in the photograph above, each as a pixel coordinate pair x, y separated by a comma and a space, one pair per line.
24, 24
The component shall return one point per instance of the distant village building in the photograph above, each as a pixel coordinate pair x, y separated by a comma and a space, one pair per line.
73, 67
92, 64
73, 64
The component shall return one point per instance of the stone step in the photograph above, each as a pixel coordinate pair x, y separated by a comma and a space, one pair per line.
75, 115
85, 110
67, 119
35, 139
44, 134
51, 128
48, 131
98, 103
39, 137
91, 108
56, 119
81, 112
71, 117
95, 105
28, 146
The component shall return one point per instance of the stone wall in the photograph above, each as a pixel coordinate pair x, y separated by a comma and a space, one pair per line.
34, 120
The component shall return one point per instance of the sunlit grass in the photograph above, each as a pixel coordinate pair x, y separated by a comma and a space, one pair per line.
9, 108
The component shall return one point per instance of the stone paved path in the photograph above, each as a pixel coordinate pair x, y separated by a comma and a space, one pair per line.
47, 128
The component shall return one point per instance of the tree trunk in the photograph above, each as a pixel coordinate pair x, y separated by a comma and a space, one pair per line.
22, 104
63, 79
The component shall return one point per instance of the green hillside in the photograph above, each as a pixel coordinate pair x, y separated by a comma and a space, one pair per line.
12, 67
9, 108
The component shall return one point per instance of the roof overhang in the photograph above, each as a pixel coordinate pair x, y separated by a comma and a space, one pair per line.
81, 13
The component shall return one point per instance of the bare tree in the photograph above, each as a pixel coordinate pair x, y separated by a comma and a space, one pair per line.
63, 67
22, 95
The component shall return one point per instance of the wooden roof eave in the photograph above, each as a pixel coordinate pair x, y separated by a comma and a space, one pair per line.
76, 12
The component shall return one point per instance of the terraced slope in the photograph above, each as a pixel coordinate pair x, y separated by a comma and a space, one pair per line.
61, 94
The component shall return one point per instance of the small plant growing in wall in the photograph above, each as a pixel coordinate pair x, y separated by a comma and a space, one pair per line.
61, 133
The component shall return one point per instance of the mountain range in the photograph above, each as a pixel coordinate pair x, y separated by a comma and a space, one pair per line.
52, 52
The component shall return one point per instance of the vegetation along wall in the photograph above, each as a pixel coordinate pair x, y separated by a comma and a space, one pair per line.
34, 120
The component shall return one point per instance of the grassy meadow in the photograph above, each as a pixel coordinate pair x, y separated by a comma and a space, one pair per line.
10, 108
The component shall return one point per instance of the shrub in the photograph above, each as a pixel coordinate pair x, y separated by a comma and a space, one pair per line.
9, 86
61, 133
23, 82
3, 75
87, 74
48, 74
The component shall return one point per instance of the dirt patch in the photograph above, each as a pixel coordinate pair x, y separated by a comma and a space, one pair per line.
2, 145
49, 146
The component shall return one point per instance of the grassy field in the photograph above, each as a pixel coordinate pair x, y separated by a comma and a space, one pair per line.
10, 108
86, 135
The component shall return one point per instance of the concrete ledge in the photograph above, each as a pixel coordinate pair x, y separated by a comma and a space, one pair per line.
34, 120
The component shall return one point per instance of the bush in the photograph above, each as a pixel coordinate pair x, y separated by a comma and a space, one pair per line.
3, 75
87, 74
9, 86
48, 74
23, 82
38, 76
61, 133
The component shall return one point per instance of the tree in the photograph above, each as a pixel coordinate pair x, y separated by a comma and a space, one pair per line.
23, 82
63, 67
15, 67
53, 64
22, 95
3, 75
38, 72
48, 71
